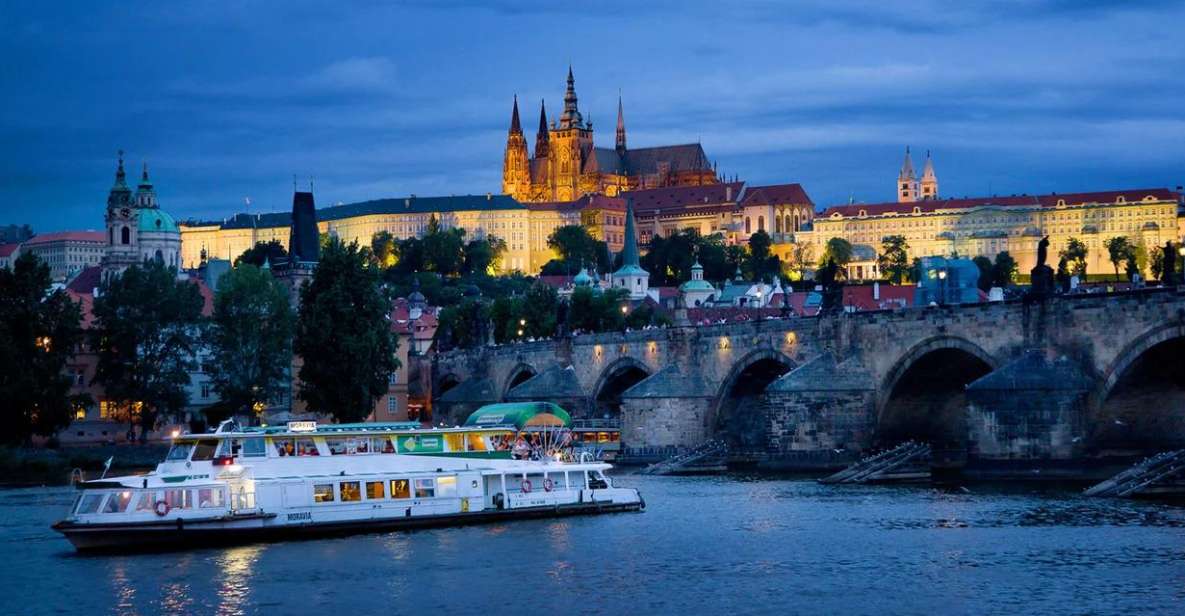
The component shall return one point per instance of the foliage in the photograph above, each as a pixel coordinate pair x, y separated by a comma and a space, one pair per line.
1156, 260
1119, 250
39, 332
761, 264
343, 335
577, 248
597, 312
984, 265
1075, 255
801, 258
385, 249
915, 270
250, 339
484, 256
534, 314
893, 261
828, 277
444, 249
1063, 274
272, 251
146, 329
1004, 270
837, 251
463, 325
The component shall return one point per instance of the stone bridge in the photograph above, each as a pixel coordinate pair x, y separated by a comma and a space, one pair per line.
1069, 377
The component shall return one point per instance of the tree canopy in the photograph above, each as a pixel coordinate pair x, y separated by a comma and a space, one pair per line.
838, 251
1119, 251
250, 340
343, 335
147, 323
39, 332
272, 251
894, 259
1075, 255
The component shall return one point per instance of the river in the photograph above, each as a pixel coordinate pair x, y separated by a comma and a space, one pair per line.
705, 545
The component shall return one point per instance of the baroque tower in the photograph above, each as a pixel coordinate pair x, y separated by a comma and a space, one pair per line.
929, 180
516, 175
907, 181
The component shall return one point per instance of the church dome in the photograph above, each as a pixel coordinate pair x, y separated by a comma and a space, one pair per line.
157, 221
582, 279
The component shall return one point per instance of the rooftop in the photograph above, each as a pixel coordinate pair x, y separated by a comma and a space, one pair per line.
1051, 200
67, 236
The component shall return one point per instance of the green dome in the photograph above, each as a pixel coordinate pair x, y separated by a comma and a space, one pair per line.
582, 279
696, 285
157, 221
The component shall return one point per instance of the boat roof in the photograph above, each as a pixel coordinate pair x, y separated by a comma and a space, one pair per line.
519, 415
311, 428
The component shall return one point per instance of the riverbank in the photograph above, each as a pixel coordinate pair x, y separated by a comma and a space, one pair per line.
28, 466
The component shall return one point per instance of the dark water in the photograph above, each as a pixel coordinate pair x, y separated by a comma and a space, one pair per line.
705, 546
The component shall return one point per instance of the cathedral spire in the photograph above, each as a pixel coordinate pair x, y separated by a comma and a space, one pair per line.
541, 140
145, 195
907, 166
571, 116
515, 127
620, 127
120, 195
121, 177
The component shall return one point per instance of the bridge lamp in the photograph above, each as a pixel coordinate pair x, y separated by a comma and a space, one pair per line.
624, 309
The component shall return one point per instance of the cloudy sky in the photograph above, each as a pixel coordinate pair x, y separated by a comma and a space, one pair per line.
228, 101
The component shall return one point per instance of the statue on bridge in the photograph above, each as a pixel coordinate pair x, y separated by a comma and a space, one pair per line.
1168, 272
1041, 276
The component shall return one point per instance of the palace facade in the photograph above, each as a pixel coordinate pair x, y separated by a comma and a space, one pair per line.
567, 164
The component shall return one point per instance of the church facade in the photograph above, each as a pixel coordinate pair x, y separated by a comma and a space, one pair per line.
567, 164
137, 229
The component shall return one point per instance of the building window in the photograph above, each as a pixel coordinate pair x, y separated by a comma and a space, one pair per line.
392, 404
125, 235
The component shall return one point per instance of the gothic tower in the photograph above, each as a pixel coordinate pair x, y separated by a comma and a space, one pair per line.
541, 143
907, 181
571, 141
620, 129
929, 180
516, 175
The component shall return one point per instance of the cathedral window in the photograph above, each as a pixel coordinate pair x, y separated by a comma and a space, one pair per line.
125, 235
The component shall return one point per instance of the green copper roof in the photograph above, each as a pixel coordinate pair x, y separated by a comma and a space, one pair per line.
519, 414
631, 270
629, 253
153, 220
697, 285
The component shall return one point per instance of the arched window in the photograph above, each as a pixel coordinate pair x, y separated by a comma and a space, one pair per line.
125, 235
160, 256
761, 223
748, 225
777, 224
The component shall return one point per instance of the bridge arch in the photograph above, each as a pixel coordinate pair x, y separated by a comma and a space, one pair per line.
736, 414
620, 375
1140, 395
922, 396
518, 375
445, 383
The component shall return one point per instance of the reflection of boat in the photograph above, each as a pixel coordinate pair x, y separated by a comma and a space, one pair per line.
240, 484
600, 438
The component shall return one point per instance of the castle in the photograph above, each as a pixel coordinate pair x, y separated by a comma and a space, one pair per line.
567, 164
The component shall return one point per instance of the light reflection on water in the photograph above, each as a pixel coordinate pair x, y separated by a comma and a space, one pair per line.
735, 545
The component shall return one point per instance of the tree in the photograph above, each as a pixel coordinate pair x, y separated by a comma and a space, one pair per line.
343, 335
1063, 274
1004, 270
1119, 249
761, 262
250, 339
463, 325
385, 249
484, 256
597, 312
984, 265
39, 332
147, 325
444, 249
272, 251
577, 248
801, 258
1075, 256
839, 252
828, 278
894, 258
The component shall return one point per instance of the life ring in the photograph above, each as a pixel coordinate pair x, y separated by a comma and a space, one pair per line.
526, 486
161, 508
548, 484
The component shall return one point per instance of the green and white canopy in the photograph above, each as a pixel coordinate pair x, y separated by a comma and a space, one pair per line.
520, 415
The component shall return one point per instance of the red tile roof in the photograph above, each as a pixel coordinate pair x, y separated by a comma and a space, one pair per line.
684, 196
587, 201
73, 236
777, 194
6, 250
207, 295
86, 305
1051, 200
87, 280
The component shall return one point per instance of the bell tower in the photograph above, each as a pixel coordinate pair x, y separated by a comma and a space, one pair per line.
907, 181
516, 174
929, 180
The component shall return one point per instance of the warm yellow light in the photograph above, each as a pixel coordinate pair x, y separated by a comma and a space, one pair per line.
175, 433
624, 309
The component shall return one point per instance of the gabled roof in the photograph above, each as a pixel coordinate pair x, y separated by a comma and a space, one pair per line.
669, 383
473, 390
6, 250
551, 384
685, 157
824, 373
87, 280
67, 236
777, 194
685, 196
1051, 200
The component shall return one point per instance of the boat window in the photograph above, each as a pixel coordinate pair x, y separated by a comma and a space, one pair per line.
400, 488
228, 447
500, 441
374, 490
118, 503
337, 446
179, 499
350, 491
253, 448
147, 501
306, 447
285, 447
455, 441
179, 451
446, 486
323, 493
204, 450
210, 497
425, 488
90, 503
360, 444
383, 444
475, 442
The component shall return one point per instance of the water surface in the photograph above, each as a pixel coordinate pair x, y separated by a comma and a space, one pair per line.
719, 545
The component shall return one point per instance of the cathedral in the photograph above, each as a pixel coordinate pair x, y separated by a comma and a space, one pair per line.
137, 229
568, 165
910, 188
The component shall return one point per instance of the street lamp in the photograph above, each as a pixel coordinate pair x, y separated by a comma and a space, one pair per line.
942, 287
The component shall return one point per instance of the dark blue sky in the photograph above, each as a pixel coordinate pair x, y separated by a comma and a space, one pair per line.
377, 99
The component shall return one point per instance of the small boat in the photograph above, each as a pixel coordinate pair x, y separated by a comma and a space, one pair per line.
239, 484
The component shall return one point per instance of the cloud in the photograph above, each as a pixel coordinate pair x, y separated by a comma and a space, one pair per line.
356, 74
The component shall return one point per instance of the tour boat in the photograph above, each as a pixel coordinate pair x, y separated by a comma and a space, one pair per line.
237, 484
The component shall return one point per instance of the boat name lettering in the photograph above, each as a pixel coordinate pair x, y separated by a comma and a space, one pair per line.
303, 515
302, 426
491, 419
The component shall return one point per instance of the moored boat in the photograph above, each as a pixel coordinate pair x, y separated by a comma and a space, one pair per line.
236, 484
